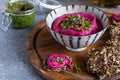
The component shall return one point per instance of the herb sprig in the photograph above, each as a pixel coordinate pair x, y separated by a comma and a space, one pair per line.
77, 68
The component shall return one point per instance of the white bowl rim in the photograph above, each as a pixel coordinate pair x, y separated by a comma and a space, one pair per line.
108, 23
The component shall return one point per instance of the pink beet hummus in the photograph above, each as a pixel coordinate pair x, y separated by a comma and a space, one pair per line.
116, 17
96, 26
60, 61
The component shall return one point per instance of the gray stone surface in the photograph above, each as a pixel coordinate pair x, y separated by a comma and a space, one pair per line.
14, 62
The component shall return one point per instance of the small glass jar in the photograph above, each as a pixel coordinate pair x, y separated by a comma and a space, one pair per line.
47, 4
109, 3
19, 14
94, 1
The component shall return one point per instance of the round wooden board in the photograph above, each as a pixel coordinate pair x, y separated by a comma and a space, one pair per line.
40, 44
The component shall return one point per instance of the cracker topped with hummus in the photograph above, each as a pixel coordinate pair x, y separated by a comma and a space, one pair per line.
59, 62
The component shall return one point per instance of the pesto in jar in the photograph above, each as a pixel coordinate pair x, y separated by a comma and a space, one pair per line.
22, 13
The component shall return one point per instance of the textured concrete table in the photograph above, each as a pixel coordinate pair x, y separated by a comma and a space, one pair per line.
14, 63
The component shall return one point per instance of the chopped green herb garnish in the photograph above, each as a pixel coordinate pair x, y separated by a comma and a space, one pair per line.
85, 24
77, 27
75, 22
58, 59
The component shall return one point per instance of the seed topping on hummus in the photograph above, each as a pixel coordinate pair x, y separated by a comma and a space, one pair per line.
75, 22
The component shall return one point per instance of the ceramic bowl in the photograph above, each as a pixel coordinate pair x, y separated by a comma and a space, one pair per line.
76, 43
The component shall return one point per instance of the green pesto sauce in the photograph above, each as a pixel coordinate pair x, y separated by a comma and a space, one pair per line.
21, 7
18, 7
22, 21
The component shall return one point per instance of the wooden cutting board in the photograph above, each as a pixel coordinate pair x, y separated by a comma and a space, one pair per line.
40, 44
